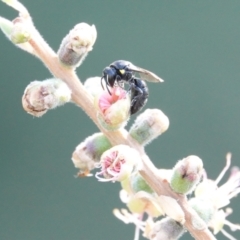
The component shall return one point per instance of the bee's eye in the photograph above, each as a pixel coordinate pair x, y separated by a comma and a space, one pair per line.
128, 75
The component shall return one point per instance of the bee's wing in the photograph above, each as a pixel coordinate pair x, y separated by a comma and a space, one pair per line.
145, 74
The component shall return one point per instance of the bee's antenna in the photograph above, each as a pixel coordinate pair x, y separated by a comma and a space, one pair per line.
102, 83
107, 84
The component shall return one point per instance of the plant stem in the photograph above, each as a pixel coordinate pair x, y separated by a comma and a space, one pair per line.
82, 99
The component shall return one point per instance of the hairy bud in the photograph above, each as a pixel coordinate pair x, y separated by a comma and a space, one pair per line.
76, 45
18, 33
88, 153
21, 31
186, 174
166, 229
138, 183
39, 96
149, 125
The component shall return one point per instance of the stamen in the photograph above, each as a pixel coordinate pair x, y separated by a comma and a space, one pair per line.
226, 234
233, 227
228, 163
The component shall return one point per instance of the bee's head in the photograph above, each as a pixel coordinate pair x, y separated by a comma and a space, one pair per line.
109, 75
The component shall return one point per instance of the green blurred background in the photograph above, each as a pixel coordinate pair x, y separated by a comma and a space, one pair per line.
193, 45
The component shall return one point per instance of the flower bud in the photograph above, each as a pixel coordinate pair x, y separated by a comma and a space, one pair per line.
113, 110
186, 174
39, 96
139, 184
88, 153
144, 202
141, 202
166, 229
137, 205
204, 208
117, 163
149, 125
21, 31
93, 86
76, 45
17, 33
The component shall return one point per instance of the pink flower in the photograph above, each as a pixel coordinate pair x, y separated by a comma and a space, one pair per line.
117, 163
113, 110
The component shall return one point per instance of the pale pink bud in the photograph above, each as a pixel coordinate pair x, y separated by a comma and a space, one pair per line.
88, 153
186, 174
76, 45
117, 163
39, 96
113, 110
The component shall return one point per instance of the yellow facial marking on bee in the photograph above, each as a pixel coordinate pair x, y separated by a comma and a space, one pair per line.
122, 71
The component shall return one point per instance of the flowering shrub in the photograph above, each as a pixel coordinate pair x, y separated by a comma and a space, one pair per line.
117, 155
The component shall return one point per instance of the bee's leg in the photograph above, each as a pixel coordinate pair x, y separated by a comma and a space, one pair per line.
120, 84
108, 90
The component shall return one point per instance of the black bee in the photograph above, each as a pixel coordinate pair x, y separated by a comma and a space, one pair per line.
120, 72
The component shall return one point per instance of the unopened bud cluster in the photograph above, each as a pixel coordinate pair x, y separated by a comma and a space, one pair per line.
122, 163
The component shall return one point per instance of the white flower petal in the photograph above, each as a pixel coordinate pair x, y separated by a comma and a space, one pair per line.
171, 208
